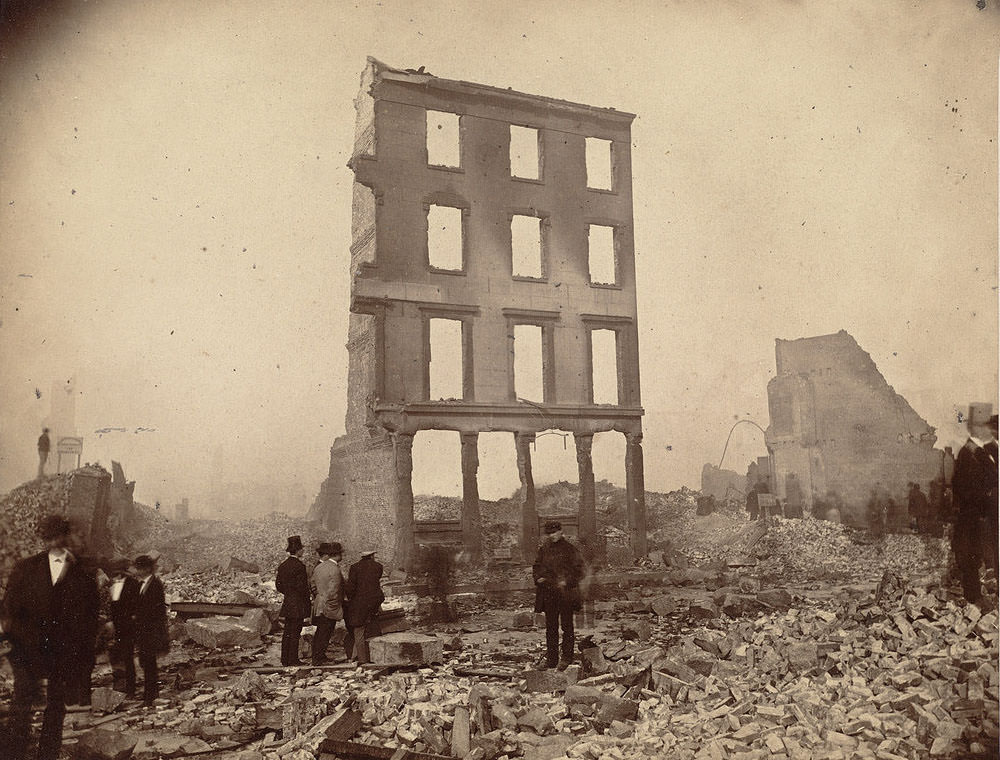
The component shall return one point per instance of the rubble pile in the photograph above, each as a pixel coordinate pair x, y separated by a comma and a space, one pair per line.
20, 511
221, 587
808, 549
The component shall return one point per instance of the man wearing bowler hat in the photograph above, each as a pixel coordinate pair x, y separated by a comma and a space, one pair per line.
557, 571
328, 607
293, 583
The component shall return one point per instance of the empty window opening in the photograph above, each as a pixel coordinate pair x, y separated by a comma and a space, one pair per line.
445, 359
598, 163
497, 477
444, 237
601, 246
608, 453
526, 246
528, 373
437, 472
553, 460
524, 153
443, 139
604, 356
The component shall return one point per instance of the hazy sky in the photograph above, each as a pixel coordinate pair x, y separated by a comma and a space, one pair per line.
175, 211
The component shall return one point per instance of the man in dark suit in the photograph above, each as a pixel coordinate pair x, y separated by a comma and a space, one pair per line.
151, 635
293, 583
124, 596
50, 612
364, 598
991, 550
975, 475
557, 571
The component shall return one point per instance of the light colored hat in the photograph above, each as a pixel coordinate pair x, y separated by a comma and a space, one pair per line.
368, 551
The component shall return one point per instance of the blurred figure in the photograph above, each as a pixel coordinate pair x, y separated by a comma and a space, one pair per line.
878, 511
43, 451
328, 604
50, 608
975, 477
919, 508
794, 498
152, 637
124, 598
990, 549
293, 583
364, 599
558, 570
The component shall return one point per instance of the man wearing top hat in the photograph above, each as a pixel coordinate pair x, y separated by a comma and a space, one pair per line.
328, 581
975, 476
364, 598
293, 583
50, 613
557, 571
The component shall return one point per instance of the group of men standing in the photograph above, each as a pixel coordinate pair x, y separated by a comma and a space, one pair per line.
330, 598
51, 617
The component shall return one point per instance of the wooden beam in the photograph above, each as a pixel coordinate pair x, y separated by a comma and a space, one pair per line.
331, 749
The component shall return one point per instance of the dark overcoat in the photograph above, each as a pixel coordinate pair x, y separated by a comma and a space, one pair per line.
293, 582
50, 625
151, 632
364, 592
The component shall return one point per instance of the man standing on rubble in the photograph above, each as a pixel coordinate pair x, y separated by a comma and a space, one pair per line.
328, 605
557, 571
293, 583
49, 611
364, 598
991, 548
974, 477
152, 637
123, 596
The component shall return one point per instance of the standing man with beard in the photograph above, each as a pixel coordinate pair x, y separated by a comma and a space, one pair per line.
50, 613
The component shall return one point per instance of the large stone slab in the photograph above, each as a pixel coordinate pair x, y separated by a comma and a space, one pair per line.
406, 648
257, 620
104, 744
220, 632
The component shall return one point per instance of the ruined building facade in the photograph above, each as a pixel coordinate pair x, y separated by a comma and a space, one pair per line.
510, 231
839, 429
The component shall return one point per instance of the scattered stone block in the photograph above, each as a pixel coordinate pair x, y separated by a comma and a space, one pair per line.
105, 700
220, 632
777, 598
545, 680
613, 708
406, 648
593, 661
550, 748
105, 744
538, 721
235, 563
257, 621
703, 610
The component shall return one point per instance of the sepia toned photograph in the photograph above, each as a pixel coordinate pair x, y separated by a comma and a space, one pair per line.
410, 381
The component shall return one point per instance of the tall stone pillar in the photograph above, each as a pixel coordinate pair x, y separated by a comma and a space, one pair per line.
472, 536
402, 448
588, 505
635, 493
529, 515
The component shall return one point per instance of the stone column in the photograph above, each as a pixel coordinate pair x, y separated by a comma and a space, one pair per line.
472, 537
635, 493
402, 448
587, 506
529, 515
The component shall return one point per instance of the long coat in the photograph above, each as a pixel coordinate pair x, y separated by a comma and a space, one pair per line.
329, 583
123, 611
293, 582
151, 634
364, 591
50, 626
559, 567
